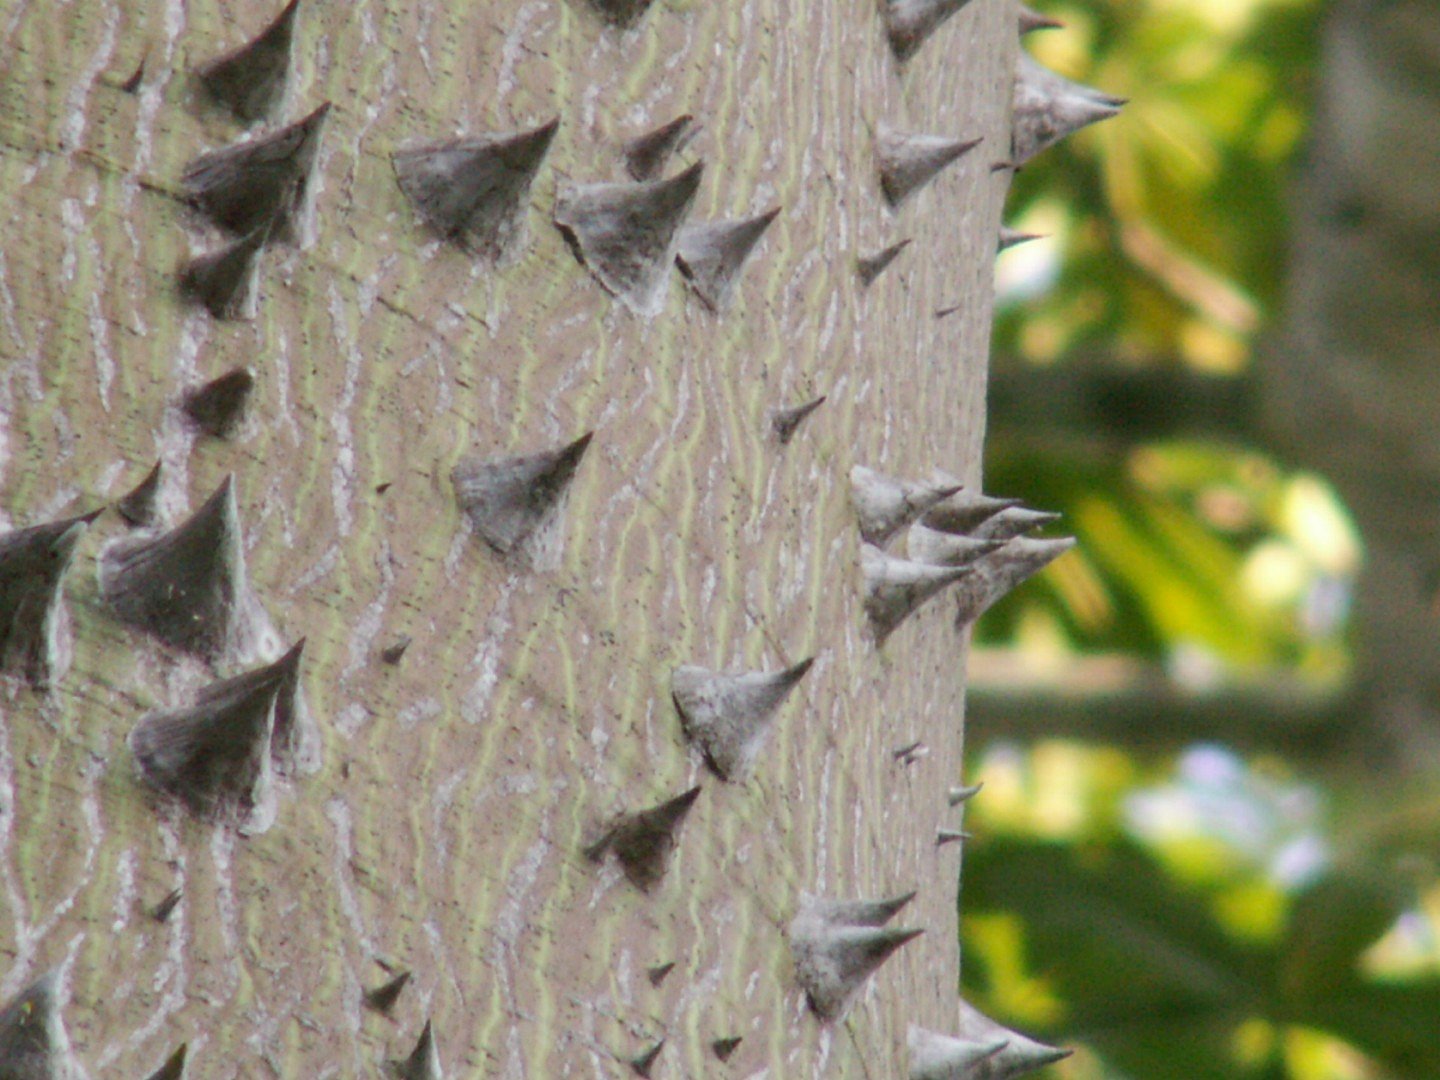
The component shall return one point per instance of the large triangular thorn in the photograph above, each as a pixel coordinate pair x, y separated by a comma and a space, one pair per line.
1014, 237
870, 267
711, 254
218, 407
187, 587
1048, 107
33, 1043
34, 622
946, 549
1011, 522
856, 912
621, 13
139, 506
476, 191
423, 1062
1029, 20
784, 421
833, 960
896, 588
213, 757
252, 184
964, 793
227, 281
885, 505
1019, 1056
964, 511
644, 841
997, 573
251, 81
517, 504
657, 974
729, 714
908, 23
646, 1061
626, 234
295, 741
723, 1048
939, 1057
647, 155
174, 1067
909, 162
382, 999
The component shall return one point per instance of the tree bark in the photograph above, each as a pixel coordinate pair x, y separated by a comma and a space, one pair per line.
444, 834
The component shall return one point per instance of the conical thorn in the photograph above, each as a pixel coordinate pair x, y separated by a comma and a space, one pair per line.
870, 267
833, 960
647, 155
1048, 107
382, 999
657, 974
957, 795
897, 588
884, 505
996, 574
251, 81
908, 162
1014, 237
909, 23
423, 1062
723, 1048
643, 1063
33, 1041
940, 1057
938, 548
174, 1067
1029, 20
227, 281
711, 254
139, 506
1020, 1055
218, 407
784, 422
728, 713
643, 842
34, 620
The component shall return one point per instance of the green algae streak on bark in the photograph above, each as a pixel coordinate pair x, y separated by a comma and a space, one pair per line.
444, 834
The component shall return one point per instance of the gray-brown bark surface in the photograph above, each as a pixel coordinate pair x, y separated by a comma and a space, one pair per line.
445, 833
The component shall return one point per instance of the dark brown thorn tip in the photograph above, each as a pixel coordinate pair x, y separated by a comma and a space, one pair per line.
786, 421
870, 267
382, 999
218, 407
252, 80
139, 506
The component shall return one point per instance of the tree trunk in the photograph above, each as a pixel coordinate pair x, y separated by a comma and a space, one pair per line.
444, 834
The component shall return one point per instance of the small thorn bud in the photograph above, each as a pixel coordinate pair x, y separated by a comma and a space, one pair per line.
885, 505
254, 184
34, 621
909, 23
218, 407
1030, 20
785, 421
997, 573
1048, 107
517, 504
174, 1067
227, 281
1014, 237
938, 548
911, 752
723, 1048
646, 1061
251, 81
729, 713
33, 1042
958, 795
897, 588
657, 974
187, 587
621, 13
626, 235
835, 953
393, 654
644, 841
939, 1057
870, 267
909, 162
423, 1062
647, 155
162, 911
138, 507
950, 836
137, 78
711, 254
382, 999
475, 191
1018, 1056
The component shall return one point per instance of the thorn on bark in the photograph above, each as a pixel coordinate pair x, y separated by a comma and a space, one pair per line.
423, 1062
729, 713
884, 505
517, 504
909, 23
786, 421
227, 281
941, 1057
162, 911
137, 77
962, 794
218, 407
1048, 107
646, 1061
996, 574
965, 511
475, 191
382, 999
621, 13
265, 180
646, 156
251, 81
34, 622
835, 953
1014, 237
140, 505
626, 234
908, 162
657, 974
711, 254
644, 841
950, 836
723, 1048
897, 588
33, 1042
1030, 20
1019, 1056
174, 1067
938, 548
393, 654
870, 267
